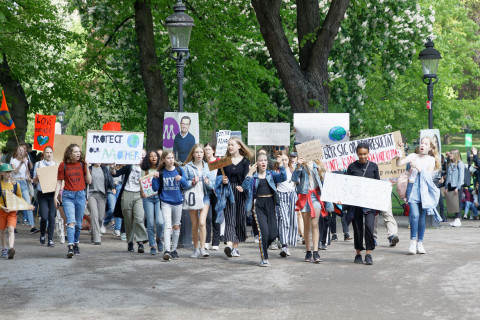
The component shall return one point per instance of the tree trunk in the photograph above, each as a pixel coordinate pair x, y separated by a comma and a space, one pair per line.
17, 104
306, 84
155, 89
446, 139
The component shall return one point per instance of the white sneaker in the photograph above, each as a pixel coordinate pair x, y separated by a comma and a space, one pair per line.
216, 248
207, 246
456, 223
264, 263
235, 252
204, 253
116, 233
103, 229
288, 252
256, 239
196, 253
412, 248
273, 246
420, 248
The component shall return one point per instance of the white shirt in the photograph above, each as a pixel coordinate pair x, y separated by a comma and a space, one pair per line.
133, 183
287, 185
22, 173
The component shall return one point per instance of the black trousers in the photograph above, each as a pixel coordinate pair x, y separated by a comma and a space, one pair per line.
323, 229
48, 212
358, 227
211, 224
266, 218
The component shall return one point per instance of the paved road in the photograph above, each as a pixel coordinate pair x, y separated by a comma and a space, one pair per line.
107, 282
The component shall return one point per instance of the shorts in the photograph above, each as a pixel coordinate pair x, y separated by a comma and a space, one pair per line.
8, 219
315, 202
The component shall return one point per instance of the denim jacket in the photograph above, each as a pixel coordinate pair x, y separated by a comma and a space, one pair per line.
455, 175
301, 178
429, 194
224, 192
192, 172
272, 179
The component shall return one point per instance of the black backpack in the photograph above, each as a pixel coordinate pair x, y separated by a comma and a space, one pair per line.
160, 177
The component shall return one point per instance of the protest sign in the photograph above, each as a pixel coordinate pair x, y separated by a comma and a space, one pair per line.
233, 134
311, 150
14, 203
435, 135
357, 191
453, 206
222, 142
220, 163
382, 149
44, 134
268, 134
146, 183
389, 170
61, 143
468, 139
119, 147
329, 128
180, 132
47, 177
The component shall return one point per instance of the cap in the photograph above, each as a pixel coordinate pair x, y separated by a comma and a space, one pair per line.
5, 167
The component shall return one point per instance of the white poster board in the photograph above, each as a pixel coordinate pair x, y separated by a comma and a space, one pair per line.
233, 134
268, 134
173, 138
222, 142
329, 128
146, 183
357, 191
435, 134
119, 147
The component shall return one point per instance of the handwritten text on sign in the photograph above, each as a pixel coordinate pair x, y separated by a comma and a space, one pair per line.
382, 149
311, 150
222, 142
146, 183
220, 163
268, 134
44, 135
357, 191
118, 147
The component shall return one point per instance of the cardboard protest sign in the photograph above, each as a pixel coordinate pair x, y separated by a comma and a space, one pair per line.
119, 147
383, 148
268, 134
14, 203
389, 170
61, 143
222, 142
44, 134
220, 163
435, 135
146, 183
329, 128
311, 150
357, 191
180, 132
47, 177
453, 206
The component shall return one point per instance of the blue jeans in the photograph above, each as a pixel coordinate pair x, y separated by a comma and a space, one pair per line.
111, 201
27, 214
469, 205
417, 221
154, 217
74, 207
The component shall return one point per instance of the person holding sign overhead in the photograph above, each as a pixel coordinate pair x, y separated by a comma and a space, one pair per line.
46, 201
151, 205
235, 214
197, 198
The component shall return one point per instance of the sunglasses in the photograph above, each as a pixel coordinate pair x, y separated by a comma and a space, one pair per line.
279, 148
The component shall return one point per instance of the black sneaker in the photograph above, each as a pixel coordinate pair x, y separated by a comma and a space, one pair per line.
140, 248
51, 244
167, 256
316, 257
228, 251
11, 253
175, 255
70, 252
347, 237
130, 247
323, 246
368, 259
393, 240
42, 239
308, 256
34, 230
358, 259
334, 237
76, 249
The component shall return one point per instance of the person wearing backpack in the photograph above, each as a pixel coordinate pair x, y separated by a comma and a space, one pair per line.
455, 181
74, 172
169, 182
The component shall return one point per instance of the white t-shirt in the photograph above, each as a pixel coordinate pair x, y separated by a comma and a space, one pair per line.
22, 173
287, 185
133, 183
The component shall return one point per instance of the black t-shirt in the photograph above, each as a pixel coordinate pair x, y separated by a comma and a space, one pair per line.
358, 169
264, 188
236, 173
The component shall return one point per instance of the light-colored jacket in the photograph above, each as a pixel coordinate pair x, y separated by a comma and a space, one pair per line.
455, 175
429, 195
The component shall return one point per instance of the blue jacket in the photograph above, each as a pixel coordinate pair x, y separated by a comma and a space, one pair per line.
429, 195
455, 175
301, 178
224, 192
250, 184
174, 196
192, 172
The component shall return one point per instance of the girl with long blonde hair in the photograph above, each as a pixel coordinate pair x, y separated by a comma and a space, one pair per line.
454, 181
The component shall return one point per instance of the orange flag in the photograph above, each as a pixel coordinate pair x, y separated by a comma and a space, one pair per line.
6, 121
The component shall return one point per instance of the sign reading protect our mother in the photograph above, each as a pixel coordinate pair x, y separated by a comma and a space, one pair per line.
117, 147
329, 128
44, 135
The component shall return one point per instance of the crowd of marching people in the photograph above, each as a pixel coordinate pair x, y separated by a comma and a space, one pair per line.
275, 191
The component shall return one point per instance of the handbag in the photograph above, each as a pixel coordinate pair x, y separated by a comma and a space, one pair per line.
402, 184
60, 226
194, 197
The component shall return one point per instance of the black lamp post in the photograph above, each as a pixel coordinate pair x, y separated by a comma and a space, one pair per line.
61, 119
429, 58
179, 27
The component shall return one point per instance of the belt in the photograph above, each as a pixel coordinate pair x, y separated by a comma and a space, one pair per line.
265, 196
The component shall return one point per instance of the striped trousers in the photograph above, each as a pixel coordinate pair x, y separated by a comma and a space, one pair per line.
236, 217
287, 218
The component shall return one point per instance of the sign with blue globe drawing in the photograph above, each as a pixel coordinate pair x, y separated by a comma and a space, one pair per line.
337, 133
329, 128
117, 147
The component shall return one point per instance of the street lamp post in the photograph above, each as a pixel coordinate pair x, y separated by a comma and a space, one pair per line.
429, 57
179, 27
61, 119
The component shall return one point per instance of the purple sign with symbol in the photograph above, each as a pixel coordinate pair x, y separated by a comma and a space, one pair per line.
170, 130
